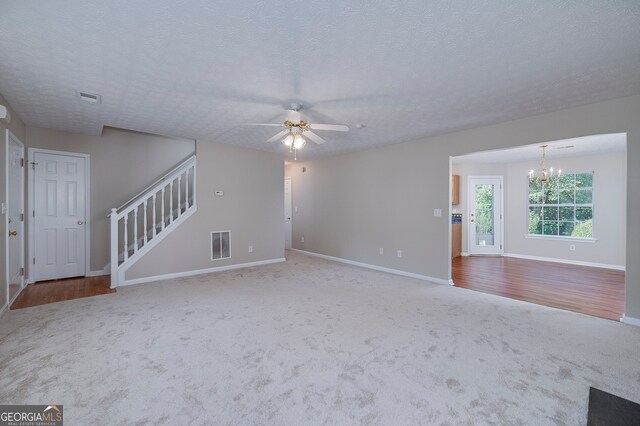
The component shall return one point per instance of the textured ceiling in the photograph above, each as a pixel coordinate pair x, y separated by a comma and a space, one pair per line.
575, 147
405, 69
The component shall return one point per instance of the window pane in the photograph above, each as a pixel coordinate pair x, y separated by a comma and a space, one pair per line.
566, 228
584, 180
550, 213
583, 229
566, 213
567, 182
535, 191
584, 213
583, 196
550, 228
535, 220
567, 196
484, 196
551, 193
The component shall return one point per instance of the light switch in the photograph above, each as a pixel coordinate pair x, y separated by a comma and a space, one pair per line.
437, 212
218, 193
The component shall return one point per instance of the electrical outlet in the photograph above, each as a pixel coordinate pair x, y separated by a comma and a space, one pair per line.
381, 250
302, 239
250, 249
437, 212
399, 253
572, 247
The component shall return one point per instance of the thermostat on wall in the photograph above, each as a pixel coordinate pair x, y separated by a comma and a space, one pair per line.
218, 193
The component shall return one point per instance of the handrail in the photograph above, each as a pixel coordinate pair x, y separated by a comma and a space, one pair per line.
172, 198
157, 182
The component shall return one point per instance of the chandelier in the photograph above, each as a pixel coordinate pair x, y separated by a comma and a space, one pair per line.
545, 174
294, 141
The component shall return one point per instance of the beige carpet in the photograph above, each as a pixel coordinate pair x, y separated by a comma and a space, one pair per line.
312, 342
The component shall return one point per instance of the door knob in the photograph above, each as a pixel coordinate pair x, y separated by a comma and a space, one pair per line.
81, 222
13, 233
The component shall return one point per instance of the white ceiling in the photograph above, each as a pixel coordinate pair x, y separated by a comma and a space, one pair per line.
406, 69
575, 147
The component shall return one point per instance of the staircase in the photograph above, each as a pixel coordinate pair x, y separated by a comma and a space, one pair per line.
142, 222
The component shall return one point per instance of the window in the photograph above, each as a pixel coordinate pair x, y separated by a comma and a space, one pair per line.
562, 207
220, 245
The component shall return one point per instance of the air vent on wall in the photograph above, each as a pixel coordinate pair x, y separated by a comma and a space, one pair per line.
89, 97
220, 245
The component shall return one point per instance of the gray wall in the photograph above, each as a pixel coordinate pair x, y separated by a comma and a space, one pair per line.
252, 209
122, 164
17, 127
350, 205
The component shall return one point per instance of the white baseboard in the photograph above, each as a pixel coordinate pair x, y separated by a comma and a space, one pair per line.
378, 268
4, 309
199, 272
630, 320
567, 261
98, 273
464, 254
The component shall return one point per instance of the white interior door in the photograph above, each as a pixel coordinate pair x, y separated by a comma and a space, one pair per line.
485, 215
60, 216
287, 213
15, 214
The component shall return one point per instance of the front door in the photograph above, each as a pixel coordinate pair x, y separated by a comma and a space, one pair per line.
485, 215
15, 215
59, 216
287, 213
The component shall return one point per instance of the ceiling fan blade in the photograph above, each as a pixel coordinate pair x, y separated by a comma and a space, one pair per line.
317, 139
336, 127
278, 136
262, 124
293, 116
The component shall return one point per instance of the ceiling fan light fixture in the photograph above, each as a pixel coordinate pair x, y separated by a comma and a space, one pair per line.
298, 142
288, 140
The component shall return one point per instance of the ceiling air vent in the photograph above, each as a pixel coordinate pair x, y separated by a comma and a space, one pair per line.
91, 98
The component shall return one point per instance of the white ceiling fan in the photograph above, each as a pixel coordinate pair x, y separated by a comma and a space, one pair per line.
295, 129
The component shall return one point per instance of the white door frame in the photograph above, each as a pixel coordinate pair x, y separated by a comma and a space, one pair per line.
501, 211
289, 225
31, 206
10, 135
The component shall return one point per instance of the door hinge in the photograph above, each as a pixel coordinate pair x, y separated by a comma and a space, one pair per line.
21, 217
34, 260
34, 213
22, 162
21, 273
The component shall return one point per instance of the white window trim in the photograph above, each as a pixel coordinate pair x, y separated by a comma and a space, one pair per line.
560, 237
593, 239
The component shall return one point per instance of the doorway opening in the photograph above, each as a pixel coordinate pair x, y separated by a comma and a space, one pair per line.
561, 242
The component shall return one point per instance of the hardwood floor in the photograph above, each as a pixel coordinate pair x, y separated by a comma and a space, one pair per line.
45, 292
592, 291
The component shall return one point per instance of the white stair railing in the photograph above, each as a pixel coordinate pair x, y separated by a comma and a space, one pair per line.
146, 219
